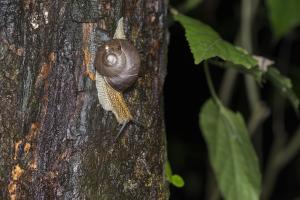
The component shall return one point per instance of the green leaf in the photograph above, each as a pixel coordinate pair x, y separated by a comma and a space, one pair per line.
188, 5
284, 15
284, 85
168, 171
205, 43
231, 153
255, 72
175, 179
295, 78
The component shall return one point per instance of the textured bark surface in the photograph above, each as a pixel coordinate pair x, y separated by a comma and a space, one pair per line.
56, 141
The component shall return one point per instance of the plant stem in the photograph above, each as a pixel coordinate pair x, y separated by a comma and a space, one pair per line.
227, 85
281, 154
210, 84
248, 9
252, 92
282, 157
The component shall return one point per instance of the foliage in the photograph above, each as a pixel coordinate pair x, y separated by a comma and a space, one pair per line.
284, 15
174, 179
231, 152
205, 43
284, 85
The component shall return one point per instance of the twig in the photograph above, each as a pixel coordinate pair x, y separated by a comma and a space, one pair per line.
227, 86
248, 10
278, 160
210, 84
281, 152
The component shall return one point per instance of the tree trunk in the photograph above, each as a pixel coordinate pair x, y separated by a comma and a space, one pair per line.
56, 141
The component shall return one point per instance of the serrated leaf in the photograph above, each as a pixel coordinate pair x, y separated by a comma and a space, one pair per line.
284, 15
231, 153
255, 72
284, 85
205, 43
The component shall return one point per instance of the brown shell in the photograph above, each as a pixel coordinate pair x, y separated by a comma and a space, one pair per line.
119, 62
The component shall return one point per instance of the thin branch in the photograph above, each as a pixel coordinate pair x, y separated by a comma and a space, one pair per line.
281, 151
227, 85
210, 84
279, 160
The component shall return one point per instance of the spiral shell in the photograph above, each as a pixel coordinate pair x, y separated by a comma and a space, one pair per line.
118, 61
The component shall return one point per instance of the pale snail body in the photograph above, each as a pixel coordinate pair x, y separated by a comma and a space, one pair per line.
117, 64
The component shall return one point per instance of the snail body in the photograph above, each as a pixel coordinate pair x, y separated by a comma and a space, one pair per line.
118, 61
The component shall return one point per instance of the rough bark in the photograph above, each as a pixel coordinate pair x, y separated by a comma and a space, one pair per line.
56, 141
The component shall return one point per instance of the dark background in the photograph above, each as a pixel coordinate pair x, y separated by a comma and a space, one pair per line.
186, 90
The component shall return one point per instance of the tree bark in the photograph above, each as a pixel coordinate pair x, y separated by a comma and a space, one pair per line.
56, 141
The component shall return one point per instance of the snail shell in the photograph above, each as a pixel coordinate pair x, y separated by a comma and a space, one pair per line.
119, 62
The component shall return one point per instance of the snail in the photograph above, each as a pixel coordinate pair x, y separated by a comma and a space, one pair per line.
117, 64
118, 61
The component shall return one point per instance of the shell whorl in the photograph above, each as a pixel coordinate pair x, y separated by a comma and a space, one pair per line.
119, 62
